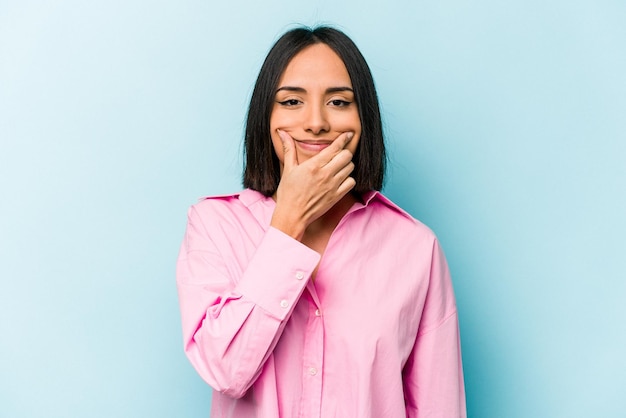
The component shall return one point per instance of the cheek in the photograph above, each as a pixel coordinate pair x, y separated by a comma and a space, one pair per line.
358, 131
282, 118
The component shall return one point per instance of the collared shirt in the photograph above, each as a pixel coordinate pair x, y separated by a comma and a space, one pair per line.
374, 335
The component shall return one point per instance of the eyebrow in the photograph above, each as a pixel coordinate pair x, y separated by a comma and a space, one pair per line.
302, 90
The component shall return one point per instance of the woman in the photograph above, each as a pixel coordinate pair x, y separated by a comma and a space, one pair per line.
310, 294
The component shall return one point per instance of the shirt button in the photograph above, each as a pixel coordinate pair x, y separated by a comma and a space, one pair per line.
318, 313
299, 275
284, 303
312, 371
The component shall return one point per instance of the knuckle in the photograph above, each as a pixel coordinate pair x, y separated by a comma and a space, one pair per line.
313, 171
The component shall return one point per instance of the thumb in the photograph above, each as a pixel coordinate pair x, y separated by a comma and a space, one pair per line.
289, 149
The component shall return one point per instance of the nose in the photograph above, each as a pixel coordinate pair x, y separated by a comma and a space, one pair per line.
316, 120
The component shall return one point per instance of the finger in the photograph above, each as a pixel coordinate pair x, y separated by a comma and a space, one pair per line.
347, 185
344, 172
336, 146
290, 157
338, 161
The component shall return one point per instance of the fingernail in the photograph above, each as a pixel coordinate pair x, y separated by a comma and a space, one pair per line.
350, 135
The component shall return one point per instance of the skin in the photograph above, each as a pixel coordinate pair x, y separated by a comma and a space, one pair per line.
315, 130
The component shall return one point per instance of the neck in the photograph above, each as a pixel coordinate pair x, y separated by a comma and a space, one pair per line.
318, 233
329, 220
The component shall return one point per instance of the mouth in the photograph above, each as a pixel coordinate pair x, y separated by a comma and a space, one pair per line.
313, 145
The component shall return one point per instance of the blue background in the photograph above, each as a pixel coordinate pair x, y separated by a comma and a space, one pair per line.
507, 132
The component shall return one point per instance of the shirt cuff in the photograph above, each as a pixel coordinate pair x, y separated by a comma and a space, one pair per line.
278, 273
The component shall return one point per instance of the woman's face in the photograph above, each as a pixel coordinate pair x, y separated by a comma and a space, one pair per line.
314, 103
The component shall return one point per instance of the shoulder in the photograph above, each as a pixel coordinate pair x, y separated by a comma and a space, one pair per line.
244, 198
219, 208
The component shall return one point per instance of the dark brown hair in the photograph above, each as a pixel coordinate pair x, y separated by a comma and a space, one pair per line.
262, 168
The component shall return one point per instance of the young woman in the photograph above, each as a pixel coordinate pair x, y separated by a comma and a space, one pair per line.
309, 293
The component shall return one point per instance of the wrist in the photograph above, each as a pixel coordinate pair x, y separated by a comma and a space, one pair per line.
293, 227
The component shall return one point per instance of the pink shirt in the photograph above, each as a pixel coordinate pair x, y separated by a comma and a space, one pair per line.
375, 335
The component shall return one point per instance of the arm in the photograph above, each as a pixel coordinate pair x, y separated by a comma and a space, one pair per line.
433, 374
234, 312
232, 319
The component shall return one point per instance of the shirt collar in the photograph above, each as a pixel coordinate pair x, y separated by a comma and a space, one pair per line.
250, 197
376, 196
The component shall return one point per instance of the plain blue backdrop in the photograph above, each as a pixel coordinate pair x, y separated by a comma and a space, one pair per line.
506, 125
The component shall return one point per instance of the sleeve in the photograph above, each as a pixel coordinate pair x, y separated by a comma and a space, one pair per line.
232, 319
433, 374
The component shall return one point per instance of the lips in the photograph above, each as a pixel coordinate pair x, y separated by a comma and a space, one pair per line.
313, 145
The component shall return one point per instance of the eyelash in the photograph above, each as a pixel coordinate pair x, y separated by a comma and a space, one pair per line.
340, 103
295, 102
290, 102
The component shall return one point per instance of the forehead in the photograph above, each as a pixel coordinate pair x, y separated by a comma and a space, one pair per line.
316, 64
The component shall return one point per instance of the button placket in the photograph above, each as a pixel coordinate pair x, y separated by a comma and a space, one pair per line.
313, 362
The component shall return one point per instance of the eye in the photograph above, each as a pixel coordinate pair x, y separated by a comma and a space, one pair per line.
290, 102
340, 103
